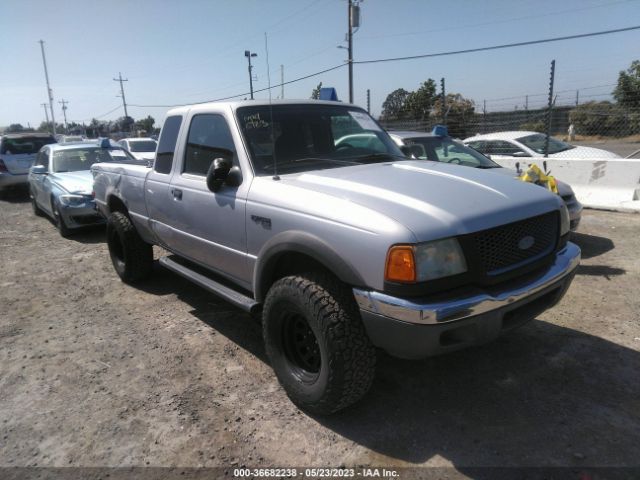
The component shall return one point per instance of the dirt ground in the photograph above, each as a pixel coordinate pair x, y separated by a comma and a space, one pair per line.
95, 373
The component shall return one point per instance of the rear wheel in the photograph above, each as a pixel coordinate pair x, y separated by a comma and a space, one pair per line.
132, 257
316, 342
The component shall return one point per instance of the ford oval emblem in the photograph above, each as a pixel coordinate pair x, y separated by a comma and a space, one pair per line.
526, 243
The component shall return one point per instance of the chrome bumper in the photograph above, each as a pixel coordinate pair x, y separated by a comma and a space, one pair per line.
421, 311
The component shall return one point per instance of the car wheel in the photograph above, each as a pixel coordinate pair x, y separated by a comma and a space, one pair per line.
59, 221
316, 342
34, 205
132, 257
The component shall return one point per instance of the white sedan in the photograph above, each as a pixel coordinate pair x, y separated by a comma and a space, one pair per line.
531, 144
141, 148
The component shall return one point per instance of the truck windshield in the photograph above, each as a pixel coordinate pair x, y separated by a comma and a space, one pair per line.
301, 138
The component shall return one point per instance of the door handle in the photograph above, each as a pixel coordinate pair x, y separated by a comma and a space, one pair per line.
177, 193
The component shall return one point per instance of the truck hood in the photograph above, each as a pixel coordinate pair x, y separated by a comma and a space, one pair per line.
74, 182
433, 200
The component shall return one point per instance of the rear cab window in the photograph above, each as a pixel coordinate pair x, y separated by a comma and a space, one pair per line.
167, 144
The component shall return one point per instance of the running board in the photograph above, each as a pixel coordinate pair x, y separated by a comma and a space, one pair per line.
241, 301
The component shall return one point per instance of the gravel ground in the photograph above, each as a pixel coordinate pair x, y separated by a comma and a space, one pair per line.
97, 373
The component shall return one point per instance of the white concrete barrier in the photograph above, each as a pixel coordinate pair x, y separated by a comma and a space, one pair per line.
611, 184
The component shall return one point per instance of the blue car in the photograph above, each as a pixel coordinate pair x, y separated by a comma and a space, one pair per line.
61, 184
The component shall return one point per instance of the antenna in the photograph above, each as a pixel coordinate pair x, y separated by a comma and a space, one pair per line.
273, 143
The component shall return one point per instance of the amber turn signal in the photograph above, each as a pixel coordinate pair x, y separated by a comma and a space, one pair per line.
401, 265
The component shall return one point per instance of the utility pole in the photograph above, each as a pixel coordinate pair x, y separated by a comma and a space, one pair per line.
124, 101
368, 101
577, 97
444, 101
248, 54
550, 111
46, 113
63, 102
350, 50
49, 91
281, 81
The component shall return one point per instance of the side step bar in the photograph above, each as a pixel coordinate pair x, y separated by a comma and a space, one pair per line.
241, 301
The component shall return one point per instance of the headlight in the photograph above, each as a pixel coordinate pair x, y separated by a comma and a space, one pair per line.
73, 200
425, 261
564, 220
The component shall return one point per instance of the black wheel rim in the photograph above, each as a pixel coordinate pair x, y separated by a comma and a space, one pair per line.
301, 347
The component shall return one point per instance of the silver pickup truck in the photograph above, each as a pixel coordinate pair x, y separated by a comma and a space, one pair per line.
340, 248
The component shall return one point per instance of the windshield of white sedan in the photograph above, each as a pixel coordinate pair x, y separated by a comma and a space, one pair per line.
79, 159
300, 138
446, 150
536, 143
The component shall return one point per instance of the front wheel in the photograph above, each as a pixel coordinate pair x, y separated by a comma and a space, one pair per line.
316, 342
59, 220
34, 205
131, 256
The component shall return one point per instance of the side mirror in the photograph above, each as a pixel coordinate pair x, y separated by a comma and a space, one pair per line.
38, 170
221, 172
406, 149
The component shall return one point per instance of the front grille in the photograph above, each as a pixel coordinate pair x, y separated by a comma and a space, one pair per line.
501, 249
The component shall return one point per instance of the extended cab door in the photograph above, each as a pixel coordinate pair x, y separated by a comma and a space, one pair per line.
208, 227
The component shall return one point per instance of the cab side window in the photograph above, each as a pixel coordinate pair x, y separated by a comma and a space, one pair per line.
209, 138
167, 144
501, 147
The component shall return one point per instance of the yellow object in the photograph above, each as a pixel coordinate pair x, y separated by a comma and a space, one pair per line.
535, 175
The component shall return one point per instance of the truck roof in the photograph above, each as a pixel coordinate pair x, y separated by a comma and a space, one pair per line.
254, 103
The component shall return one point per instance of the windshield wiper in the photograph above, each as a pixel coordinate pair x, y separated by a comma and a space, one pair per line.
376, 157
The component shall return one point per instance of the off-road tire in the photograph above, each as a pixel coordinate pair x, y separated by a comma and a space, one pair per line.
347, 357
132, 257
37, 211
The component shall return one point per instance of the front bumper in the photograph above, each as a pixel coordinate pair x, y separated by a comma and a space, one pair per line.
81, 216
417, 328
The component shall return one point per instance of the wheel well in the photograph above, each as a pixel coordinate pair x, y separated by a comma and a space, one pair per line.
289, 263
116, 205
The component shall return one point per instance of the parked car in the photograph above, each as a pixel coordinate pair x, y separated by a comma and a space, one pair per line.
531, 144
438, 146
141, 148
61, 184
340, 248
72, 139
17, 154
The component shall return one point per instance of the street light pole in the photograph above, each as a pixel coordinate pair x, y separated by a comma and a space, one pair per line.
248, 54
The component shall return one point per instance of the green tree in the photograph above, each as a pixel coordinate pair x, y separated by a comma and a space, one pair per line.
145, 124
315, 93
459, 113
395, 106
14, 128
420, 102
627, 92
603, 118
47, 127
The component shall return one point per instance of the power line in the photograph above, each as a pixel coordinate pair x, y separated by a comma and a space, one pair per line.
497, 47
413, 57
245, 93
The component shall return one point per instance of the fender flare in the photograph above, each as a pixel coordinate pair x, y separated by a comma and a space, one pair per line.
304, 243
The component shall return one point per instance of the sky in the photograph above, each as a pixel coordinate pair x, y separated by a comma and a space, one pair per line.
175, 52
